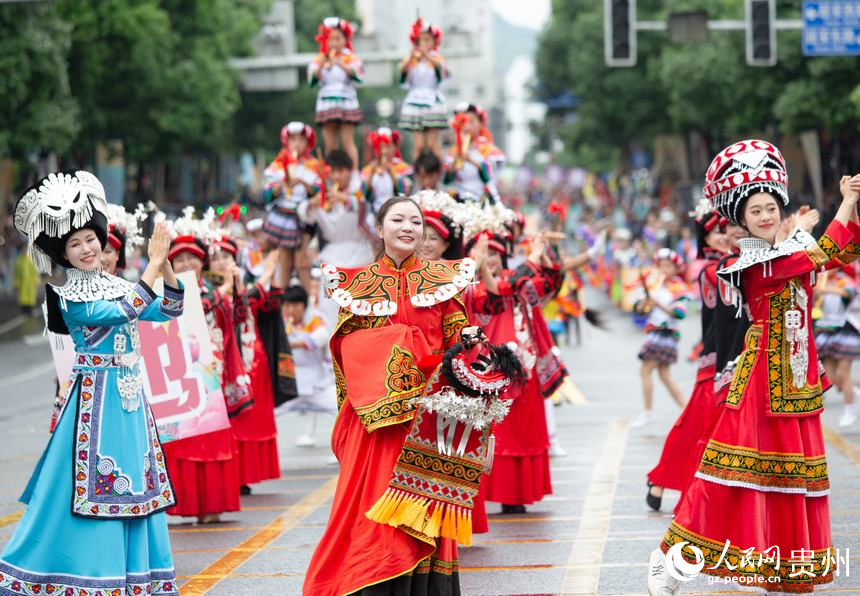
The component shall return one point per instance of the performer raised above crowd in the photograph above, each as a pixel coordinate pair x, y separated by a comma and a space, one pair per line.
95, 518
336, 70
422, 72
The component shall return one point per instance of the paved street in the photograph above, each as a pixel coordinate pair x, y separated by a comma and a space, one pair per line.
593, 536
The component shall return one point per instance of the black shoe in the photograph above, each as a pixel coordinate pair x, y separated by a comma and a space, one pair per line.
244, 490
653, 501
513, 509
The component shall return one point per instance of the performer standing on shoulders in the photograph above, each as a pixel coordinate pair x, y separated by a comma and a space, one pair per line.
766, 453
95, 517
395, 324
423, 72
336, 70
288, 182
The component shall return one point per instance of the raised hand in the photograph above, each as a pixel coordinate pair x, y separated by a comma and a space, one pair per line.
808, 220
849, 186
159, 244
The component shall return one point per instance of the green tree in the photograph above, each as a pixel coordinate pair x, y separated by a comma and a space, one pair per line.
37, 111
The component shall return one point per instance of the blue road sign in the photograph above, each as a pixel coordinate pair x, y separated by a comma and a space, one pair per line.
831, 28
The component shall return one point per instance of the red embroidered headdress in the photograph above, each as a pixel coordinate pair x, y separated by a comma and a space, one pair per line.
419, 27
299, 128
384, 135
743, 169
327, 26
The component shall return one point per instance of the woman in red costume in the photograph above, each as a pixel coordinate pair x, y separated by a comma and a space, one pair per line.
398, 316
254, 428
762, 482
507, 304
203, 468
678, 462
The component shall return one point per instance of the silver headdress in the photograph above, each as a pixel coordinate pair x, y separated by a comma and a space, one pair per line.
60, 203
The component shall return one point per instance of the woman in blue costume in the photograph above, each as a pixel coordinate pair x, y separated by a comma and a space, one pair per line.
94, 524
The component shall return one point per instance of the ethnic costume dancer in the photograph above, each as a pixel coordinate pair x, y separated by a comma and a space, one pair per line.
94, 522
254, 427
765, 458
665, 304
507, 304
837, 340
340, 222
336, 70
204, 468
423, 72
678, 462
386, 175
473, 161
399, 315
288, 182
442, 234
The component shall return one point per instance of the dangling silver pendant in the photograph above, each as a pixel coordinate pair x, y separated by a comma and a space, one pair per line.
129, 386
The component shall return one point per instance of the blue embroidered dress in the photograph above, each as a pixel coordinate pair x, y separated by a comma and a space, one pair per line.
95, 524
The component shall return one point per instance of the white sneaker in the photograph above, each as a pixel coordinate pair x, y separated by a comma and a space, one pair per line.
556, 450
642, 419
660, 583
305, 441
848, 418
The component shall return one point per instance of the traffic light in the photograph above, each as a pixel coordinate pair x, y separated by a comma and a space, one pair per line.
761, 32
619, 32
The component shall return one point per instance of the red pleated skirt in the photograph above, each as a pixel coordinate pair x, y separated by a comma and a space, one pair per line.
683, 447
255, 429
204, 474
762, 483
520, 474
355, 552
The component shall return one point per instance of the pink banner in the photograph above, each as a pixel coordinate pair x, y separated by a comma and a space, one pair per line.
178, 368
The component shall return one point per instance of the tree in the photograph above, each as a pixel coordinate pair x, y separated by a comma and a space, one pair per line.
678, 88
37, 111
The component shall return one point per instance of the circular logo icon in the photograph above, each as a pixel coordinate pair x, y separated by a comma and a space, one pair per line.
678, 567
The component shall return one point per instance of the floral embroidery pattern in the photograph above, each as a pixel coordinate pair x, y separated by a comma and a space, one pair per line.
154, 583
172, 303
738, 563
765, 471
746, 360
135, 302
100, 487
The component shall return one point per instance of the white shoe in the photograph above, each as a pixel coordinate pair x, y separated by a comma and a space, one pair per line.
556, 450
660, 583
848, 418
305, 441
642, 419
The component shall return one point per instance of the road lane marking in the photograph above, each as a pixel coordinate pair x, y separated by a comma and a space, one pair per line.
30, 374
12, 323
586, 554
226, 565
847, 448
11, 518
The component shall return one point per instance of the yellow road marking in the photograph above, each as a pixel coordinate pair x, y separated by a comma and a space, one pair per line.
586, 554
11, 518
848, 448
226, 565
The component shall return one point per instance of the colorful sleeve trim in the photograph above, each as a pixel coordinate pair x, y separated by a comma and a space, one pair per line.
138, 299
173, 301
